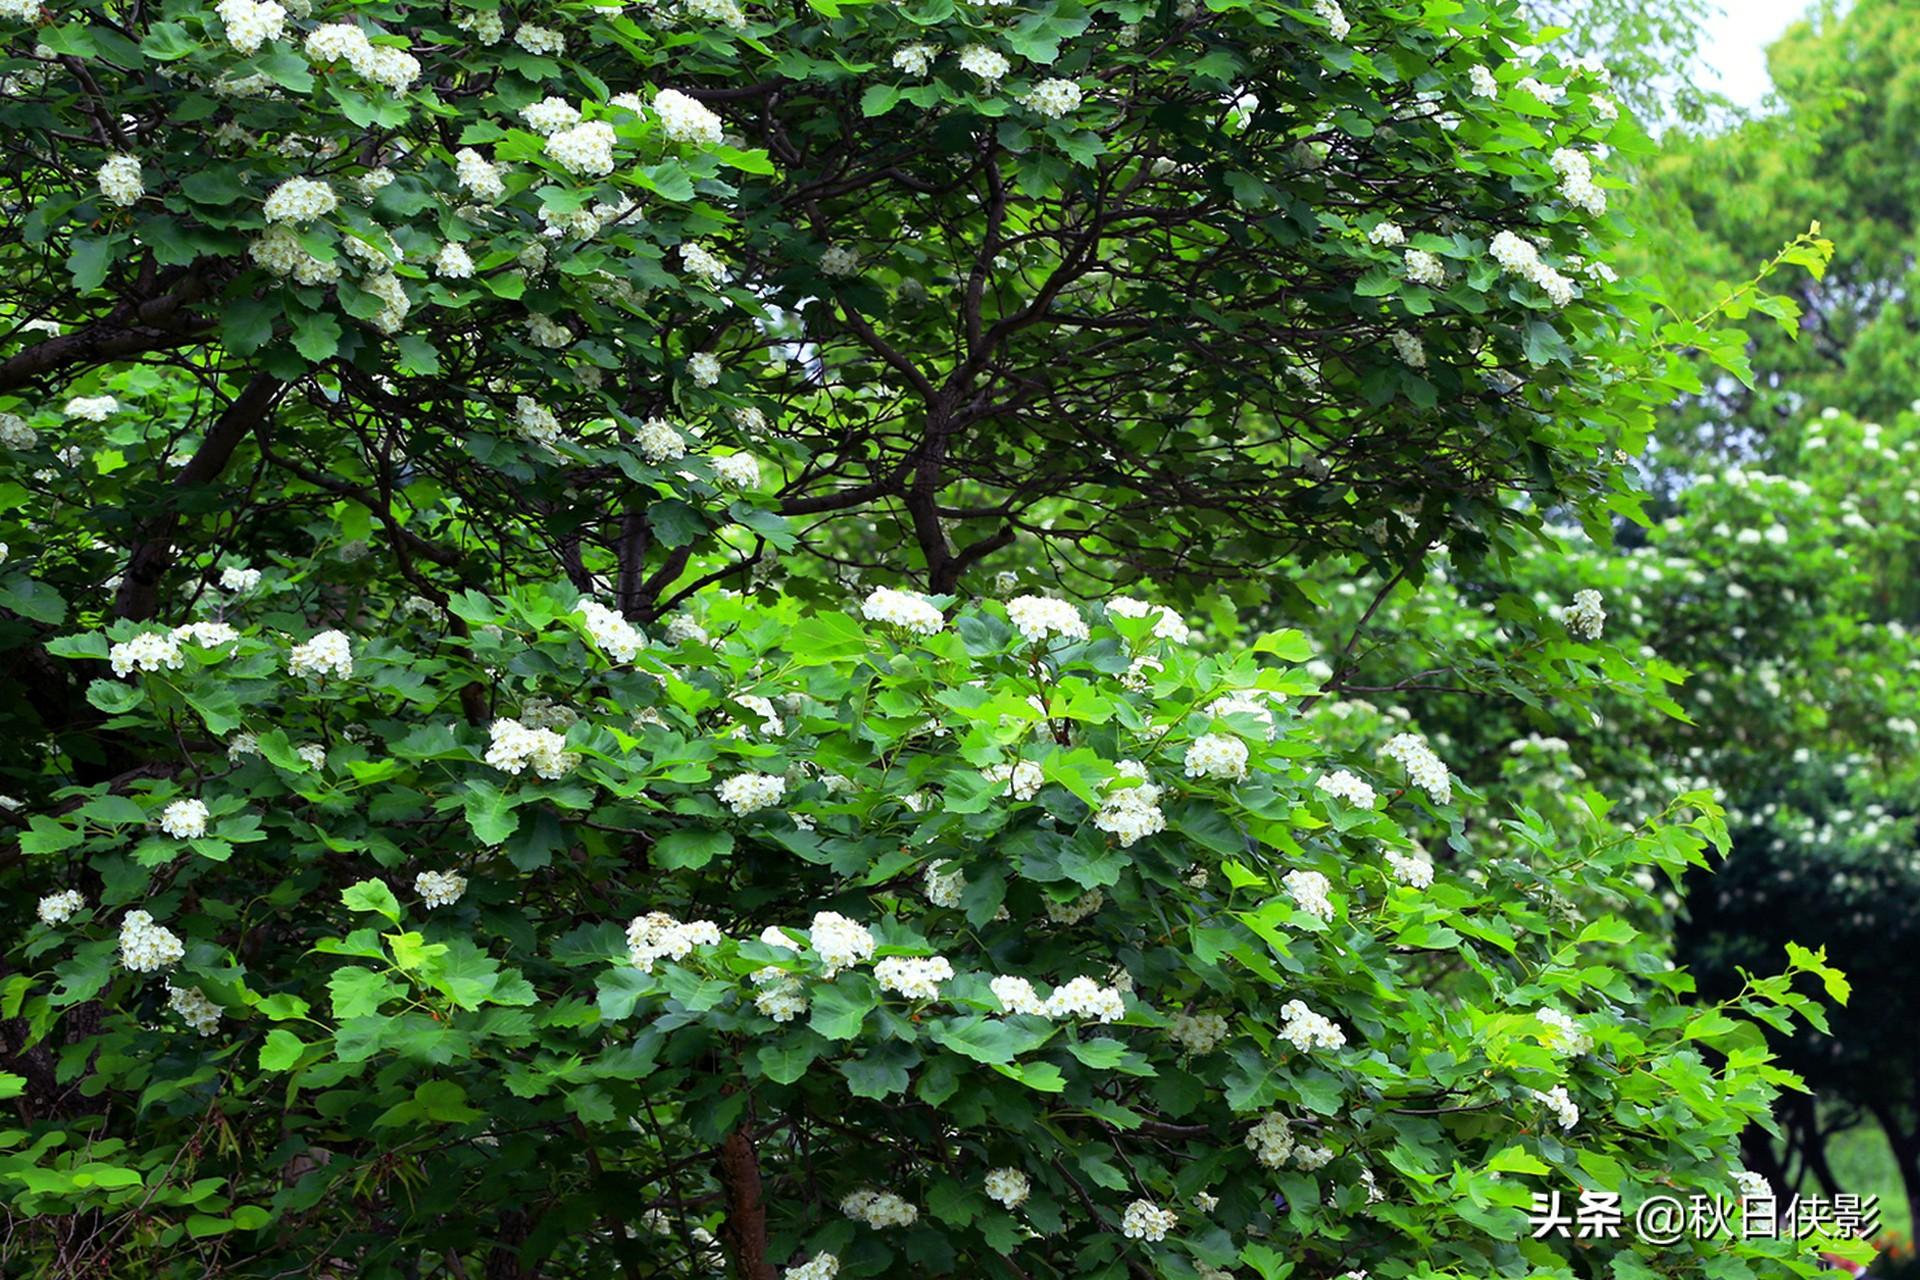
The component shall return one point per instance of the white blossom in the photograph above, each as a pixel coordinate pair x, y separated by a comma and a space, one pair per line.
120, 180
905, 609
439, 888
329, 653
146, 947
1145, 1220
184, 819
58, 908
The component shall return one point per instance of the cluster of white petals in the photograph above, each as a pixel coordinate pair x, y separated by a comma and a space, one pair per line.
1022, 779
58, 908
299, 200
684, 119
1271, 1140
1414, 871
149, 651
198, 1012
1576, 181
1309, 890
746, 793
1084, 998
1427, 770
120, 181
915, 977
840, 943
1306, 1030
1130, 805
1145, 1220
1009, 1187
879, 1209
184, 819
329, 653
146, 947
821, 1266
1586, 617
1558, 1101
1567, 1036
1198, 1033
439, 888
1215, 755
513, 747
1342, 784
1167, 625
616, 637
1518, 256
904, 609
658, 935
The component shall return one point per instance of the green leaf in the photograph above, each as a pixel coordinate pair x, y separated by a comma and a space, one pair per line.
88, 261
841, 1007
690, 850
372, 895
316, 336
281, 1050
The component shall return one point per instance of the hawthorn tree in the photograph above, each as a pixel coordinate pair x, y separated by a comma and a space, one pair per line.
388, 903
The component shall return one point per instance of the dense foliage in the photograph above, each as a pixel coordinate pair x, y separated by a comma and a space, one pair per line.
386, 902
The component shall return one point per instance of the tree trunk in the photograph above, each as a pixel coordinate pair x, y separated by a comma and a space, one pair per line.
746, 1227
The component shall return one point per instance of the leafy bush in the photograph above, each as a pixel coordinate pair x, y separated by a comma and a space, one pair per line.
863, 907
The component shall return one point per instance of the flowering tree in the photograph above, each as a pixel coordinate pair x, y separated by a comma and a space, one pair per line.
388, 903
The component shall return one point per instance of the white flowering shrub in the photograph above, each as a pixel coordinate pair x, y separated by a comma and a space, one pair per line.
878, 994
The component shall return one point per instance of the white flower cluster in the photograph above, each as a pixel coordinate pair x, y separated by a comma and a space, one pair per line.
1551, 94
1387, 235
184, 819
384, 64
879, 1209
250, 25
204, 635
1417, 872
1752, 1185
1145, 1220
239, 578
1560, 1103
1425, 268
1345, 785
1309, 890
585, 149
550, 115
191, 1003
439, 888
840, 260
146, 947
1215, 755
658, 442
478, 175
1586, 618
1130, 813
1198, 1033
1481, 82
914, 59
149, 651
1427, 770
778, 994
1022, 779
314, 754
736, 470
91, 408
701, 263
658, 934
1307, 1030
684, 119
1077, 910
943, 887
539, 40
1271, 1140
1567, 1036
1084, 998
746, 793
1576, 181
989, 64
1409, 348
1334, 16
915, 977
513, 747
1009, 1187
1167, 625
120, 179
452, 262
58, 908
1518, 256
329, 653
15, 433
617, 638
1052, 98
770, 722
839, 942
1016, 995
902, 609
299, 200
1040, 617
704, 368
821, 1266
